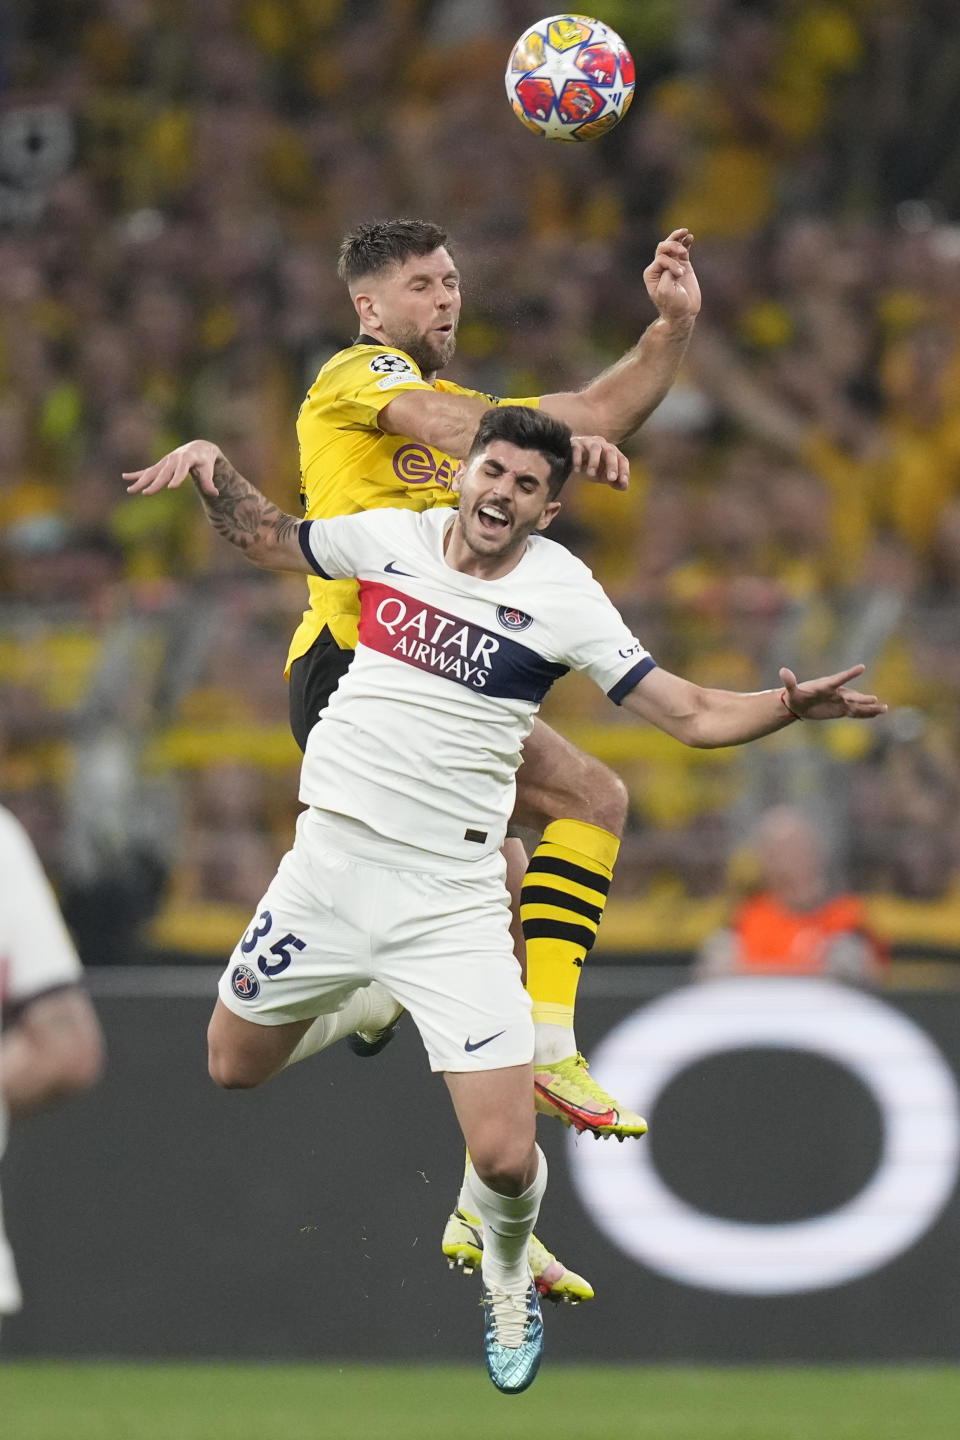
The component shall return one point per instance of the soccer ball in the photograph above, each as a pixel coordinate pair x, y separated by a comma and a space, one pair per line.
570, 78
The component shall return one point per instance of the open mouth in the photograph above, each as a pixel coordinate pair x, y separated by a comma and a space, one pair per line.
492, 519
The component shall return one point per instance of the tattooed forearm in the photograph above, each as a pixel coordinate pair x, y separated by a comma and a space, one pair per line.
245, 517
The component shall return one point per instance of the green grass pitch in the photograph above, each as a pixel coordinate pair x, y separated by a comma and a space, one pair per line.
100, 1401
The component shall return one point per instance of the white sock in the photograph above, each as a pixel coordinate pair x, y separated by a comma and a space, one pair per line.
465, 1201
370, 1008
552, 1043
508, 1222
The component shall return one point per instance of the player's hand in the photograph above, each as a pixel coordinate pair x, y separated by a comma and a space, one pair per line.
828, 698
670, 278
197, 459
597, 459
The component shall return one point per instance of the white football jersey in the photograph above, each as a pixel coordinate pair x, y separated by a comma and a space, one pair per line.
36, 955
422, 738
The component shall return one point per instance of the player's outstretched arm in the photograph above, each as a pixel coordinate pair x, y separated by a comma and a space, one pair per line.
448, 422
442, 419
707, 718
235, 508
620, 399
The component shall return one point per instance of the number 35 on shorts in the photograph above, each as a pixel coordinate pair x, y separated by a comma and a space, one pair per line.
280, 948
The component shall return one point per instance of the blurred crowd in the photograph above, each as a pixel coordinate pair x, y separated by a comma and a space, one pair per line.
174, 181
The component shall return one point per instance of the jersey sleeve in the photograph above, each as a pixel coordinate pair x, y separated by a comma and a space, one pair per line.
343, 546
599, 642
367, 380
495, 401
36, 951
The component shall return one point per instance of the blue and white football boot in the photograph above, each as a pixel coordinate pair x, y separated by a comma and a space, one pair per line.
512, 1336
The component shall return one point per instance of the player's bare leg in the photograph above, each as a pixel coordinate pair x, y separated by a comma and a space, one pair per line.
242, 1054
462, 1241
505, 1186
581, 807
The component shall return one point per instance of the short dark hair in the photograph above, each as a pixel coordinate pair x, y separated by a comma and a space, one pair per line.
375, 245
528, 429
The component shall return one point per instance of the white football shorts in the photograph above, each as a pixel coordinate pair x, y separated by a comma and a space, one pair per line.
346, 907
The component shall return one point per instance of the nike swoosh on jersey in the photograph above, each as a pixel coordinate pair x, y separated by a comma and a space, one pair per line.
391, 569
470, 1046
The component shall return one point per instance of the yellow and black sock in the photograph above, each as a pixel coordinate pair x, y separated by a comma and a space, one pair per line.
561, 903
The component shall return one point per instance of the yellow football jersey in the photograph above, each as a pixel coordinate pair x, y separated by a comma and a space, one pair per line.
348, 464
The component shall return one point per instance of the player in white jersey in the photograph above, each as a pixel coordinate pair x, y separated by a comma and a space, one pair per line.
51, 1045
467, 617
449, 785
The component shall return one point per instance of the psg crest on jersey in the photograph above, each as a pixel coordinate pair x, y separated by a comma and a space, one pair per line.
512, 619
244, 983
390, 365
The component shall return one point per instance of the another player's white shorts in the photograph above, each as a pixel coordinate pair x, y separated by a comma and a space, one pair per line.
346, 907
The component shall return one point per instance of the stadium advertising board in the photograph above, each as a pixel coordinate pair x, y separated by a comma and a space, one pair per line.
796, 1198
903, 1072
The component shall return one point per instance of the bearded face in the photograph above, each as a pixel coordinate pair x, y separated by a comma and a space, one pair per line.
414, 306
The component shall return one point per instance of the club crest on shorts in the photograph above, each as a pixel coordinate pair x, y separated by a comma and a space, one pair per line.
512, 619
244, 983
391, 365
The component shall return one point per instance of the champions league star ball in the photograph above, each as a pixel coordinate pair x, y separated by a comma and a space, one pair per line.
570, 78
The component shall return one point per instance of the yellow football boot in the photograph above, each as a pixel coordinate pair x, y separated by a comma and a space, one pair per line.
463, 1246
567, 1090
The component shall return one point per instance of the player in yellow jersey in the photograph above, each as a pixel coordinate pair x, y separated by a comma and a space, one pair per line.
380, 428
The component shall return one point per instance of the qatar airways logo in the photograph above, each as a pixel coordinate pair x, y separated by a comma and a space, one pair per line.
425, 637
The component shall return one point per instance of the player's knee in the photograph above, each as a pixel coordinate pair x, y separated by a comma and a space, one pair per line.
229, 1071
506, 1164
611, 801
599, 797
